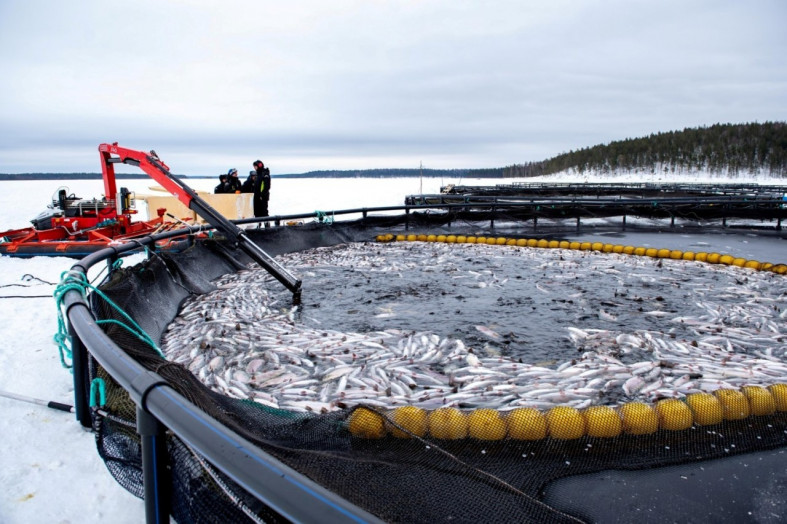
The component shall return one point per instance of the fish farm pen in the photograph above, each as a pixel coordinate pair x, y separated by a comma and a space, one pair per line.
442, 362
633, 190
693, 202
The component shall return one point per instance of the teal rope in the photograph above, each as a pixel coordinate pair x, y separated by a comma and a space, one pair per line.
72, 280
98, 385
323, 217
69, 282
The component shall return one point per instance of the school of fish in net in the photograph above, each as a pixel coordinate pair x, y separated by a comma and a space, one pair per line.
726, 329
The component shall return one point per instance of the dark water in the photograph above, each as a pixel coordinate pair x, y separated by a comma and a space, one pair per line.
765, 246
515, 302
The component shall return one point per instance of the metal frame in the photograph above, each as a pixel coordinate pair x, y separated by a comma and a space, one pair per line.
160, 408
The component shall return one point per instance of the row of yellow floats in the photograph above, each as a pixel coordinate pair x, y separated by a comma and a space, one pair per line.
675, 254
566, 422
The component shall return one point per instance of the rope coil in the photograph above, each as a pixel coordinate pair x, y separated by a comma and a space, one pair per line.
76, 281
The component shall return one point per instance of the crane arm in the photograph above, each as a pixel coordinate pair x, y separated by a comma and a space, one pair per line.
151, 164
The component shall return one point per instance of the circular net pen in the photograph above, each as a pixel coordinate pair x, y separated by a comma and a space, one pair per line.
439, 368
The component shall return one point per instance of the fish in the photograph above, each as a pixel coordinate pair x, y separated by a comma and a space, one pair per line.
604, 315
243, 341
487, 332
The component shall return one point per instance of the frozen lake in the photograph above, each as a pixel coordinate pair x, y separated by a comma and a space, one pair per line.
51, 470
21, 201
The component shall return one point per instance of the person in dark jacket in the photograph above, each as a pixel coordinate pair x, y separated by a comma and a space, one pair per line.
248, 185
262, 189
223, 186
233, 181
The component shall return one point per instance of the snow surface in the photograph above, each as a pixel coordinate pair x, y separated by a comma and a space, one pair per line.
51, 471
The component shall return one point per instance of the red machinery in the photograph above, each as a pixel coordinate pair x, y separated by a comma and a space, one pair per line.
158, 170
80, 227
75, 227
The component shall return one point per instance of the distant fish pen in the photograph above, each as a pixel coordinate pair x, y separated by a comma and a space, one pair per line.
217, 399
631, 189
692, 202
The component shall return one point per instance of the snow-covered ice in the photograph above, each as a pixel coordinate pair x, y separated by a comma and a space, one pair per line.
51, 471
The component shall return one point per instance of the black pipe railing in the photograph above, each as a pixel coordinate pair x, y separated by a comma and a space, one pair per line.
278, 486
159, 406
588, 188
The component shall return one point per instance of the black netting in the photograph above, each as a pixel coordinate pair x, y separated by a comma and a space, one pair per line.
399, 480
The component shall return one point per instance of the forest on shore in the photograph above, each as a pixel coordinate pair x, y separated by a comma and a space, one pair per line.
718, 149
725, 149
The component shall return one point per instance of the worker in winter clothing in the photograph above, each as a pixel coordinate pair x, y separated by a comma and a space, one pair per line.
233, 181
248, 185
223, 186
262, 189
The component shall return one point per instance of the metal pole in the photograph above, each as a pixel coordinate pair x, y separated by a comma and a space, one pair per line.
79, 369
155, 476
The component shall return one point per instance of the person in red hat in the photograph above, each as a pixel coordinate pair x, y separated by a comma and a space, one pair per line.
262, 189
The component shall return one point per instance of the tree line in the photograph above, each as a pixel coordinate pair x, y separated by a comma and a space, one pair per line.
721, 148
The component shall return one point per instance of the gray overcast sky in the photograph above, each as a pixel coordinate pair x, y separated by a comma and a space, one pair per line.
347, 84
